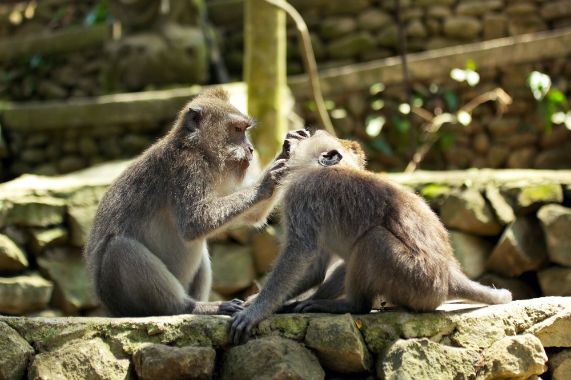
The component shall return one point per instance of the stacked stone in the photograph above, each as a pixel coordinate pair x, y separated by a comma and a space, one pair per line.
354, 31
512, 235
41, 266
518, 341
518, 138
68, 150
55, 77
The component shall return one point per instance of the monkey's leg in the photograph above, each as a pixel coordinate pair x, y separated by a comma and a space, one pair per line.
357, 282
292, 264
202, 282
315, 274
334, 284
134, 282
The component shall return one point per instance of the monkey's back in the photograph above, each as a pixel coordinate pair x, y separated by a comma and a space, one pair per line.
353, 201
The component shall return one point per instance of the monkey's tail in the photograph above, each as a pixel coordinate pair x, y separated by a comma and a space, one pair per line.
461, 286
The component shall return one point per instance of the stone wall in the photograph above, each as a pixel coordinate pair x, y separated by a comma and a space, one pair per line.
60, 137
59, 49
344, 32
508, 228
520, 137
521, 340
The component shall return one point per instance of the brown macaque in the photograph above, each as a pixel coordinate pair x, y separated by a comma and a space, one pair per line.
147, 251
392, 244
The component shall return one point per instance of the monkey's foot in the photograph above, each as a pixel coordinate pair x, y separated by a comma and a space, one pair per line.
328, 306
230, 307
241, 326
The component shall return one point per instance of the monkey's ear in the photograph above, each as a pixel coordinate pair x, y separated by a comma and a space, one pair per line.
192, 118
333, 157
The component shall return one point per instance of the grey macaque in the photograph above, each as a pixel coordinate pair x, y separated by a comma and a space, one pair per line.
147, 252
392, 244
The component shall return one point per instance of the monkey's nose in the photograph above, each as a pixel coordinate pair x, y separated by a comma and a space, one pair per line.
251, 149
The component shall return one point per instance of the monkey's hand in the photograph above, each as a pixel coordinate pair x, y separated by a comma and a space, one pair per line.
291, 140
272, 178
241, 325
230, 307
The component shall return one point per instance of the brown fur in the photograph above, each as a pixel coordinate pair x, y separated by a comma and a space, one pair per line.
393, 245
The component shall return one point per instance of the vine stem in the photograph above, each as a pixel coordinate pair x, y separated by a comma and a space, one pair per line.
309, 62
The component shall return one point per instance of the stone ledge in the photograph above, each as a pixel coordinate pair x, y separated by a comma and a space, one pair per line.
456, 341
500, 52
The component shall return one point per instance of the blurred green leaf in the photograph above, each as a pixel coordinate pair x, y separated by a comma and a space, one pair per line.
557, 97
446, 140
98, 15
451, 100
382, 146
471, 65
402, 125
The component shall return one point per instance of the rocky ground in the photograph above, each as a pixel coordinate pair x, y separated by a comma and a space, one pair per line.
521, 340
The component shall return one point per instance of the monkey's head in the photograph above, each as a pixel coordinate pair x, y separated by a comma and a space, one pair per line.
324, 150
210, 124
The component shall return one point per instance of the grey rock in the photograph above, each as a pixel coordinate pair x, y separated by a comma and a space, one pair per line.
158, 361
416, 29
336, 27
424, 359
80, 220
519, 356
346, 7
232, 267
520, 249
471, 251
462, 27
555, 281
556, 9
438, 11
556, 223
468, 211
500, 205
71, 163
44, 238
271, 358
12, 258
32, 211
373, 19
478, 8
15, 353
338, 344
91, 359
22, 294
529, 198
554, 331
73, 291
388, 36
351, 45
560, 365
521, 158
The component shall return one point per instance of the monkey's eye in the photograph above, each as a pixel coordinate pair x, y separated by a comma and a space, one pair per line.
238, 129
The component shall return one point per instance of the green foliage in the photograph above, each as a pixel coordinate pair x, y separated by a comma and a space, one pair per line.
98, 15
550, 100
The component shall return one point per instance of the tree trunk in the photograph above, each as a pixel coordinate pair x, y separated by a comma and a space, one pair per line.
265, 73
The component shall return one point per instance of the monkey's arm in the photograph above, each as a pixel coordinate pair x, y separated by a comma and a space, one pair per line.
212, 213
287, 274
260, 212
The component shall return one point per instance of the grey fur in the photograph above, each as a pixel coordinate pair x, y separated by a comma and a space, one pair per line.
393, 245
147, 252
